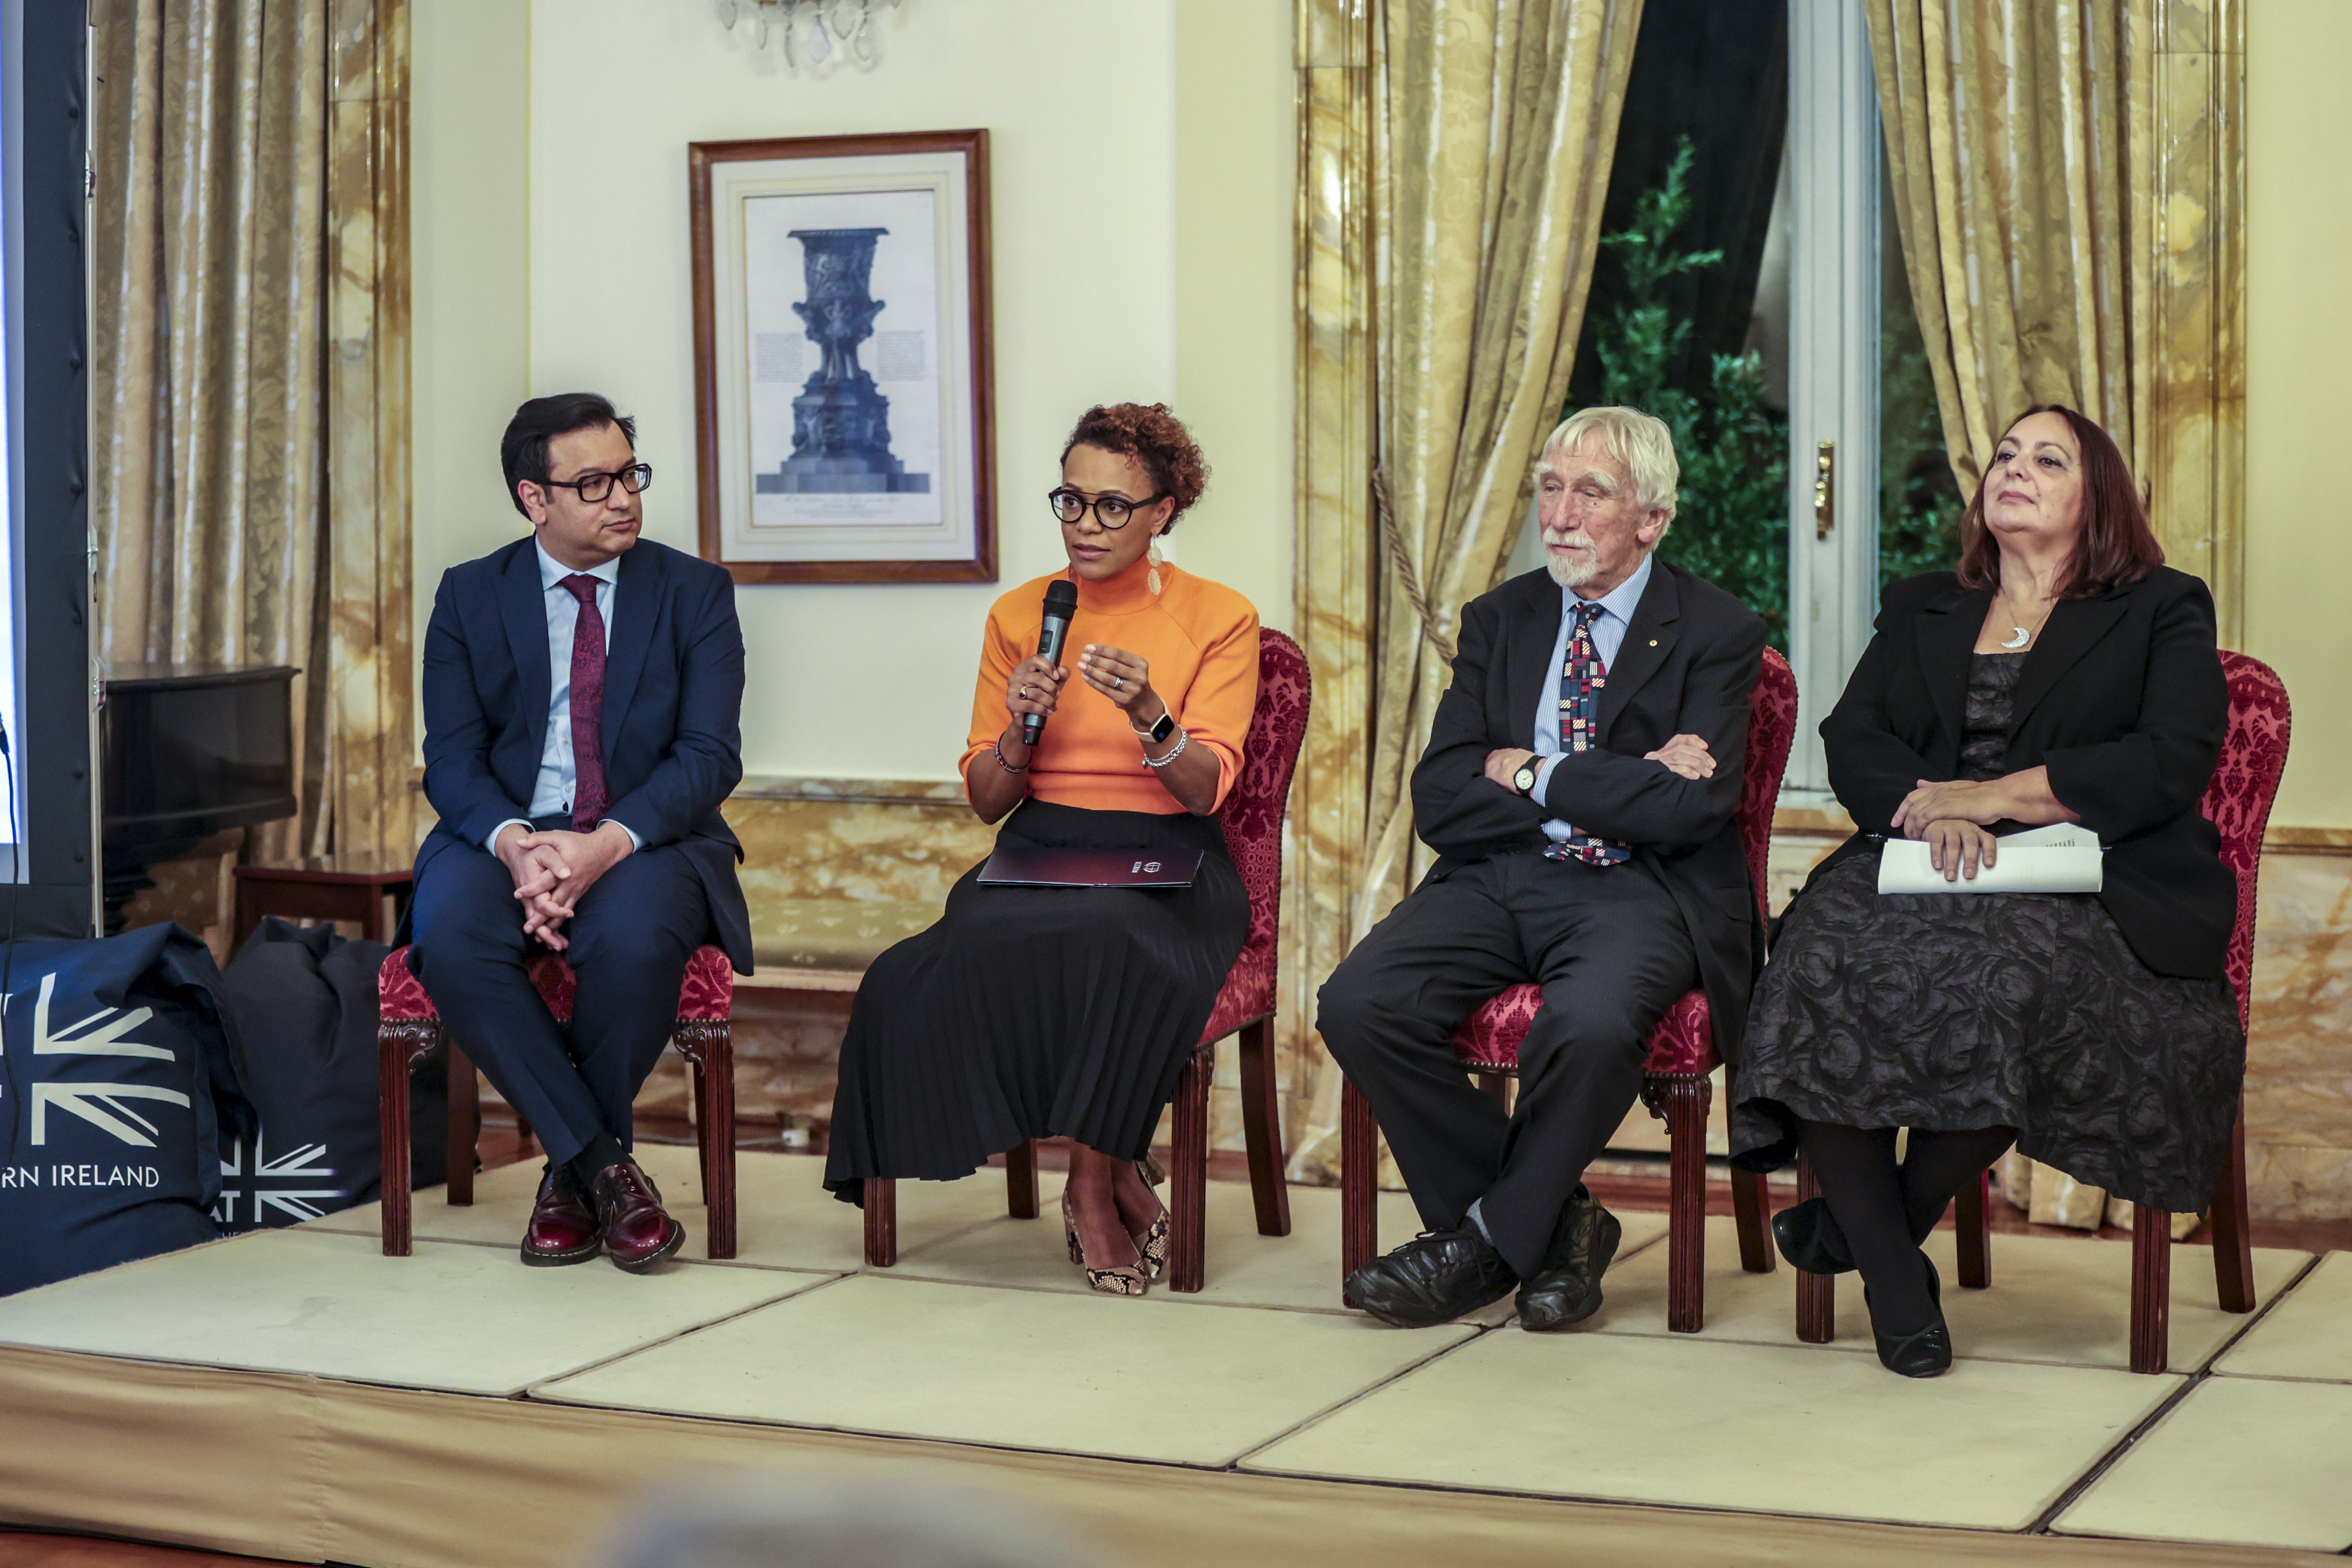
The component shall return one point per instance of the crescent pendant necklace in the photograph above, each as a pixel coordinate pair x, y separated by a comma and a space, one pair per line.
2021, 637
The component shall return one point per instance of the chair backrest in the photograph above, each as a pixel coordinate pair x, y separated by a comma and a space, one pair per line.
2245, 782
1253, 807
1770, 731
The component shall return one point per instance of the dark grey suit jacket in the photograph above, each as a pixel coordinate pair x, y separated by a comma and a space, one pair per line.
1687, 665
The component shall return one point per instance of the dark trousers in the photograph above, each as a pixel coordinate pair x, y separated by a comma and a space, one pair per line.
630, 941
1611, 952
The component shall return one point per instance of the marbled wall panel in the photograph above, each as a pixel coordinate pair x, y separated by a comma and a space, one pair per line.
2299, 1050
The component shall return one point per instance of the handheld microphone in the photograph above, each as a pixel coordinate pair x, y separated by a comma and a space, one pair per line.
1061, 603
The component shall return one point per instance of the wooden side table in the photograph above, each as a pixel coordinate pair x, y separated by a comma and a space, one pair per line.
372, 898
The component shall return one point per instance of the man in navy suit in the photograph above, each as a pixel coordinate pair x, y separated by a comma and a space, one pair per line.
583, 692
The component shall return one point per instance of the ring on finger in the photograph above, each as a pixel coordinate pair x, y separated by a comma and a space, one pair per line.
1119, 681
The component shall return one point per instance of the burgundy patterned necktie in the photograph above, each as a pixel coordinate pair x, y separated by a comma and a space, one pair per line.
588, 801
1580, 680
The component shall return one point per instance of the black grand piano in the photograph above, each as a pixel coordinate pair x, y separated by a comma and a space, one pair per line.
189, 751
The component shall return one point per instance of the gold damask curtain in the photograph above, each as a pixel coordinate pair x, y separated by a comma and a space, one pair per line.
1493, 123
2067, 174
249, 434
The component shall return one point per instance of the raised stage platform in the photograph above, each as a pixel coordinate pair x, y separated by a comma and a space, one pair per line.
297, 1395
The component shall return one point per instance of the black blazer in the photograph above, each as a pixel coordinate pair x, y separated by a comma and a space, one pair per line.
1687, 665
2122, 699
673, 708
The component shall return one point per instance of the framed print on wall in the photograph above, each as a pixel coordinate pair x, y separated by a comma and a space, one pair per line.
841, 358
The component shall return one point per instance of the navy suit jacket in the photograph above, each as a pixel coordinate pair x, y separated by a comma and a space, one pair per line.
673, 710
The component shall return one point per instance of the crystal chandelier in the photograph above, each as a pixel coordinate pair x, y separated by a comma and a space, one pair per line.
815, 36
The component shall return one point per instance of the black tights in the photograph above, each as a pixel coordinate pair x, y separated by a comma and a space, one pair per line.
1887, 1210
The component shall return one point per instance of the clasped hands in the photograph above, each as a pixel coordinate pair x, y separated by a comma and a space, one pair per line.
1955, 818
1684, 754
553, 871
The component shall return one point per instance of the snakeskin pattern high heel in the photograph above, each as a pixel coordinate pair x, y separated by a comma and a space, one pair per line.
1151, 1246
1108, 1281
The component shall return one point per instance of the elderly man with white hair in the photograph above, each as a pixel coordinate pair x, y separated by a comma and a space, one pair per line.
1579, 789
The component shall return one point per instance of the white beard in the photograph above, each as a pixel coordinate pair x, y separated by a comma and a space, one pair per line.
1571, 571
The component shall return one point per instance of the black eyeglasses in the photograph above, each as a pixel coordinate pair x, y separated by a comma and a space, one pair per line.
596, 487
1111, 511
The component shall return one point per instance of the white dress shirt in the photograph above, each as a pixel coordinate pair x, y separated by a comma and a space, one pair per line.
1609, 628
557, 778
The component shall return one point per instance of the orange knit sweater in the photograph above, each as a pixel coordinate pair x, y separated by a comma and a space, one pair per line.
1200, 640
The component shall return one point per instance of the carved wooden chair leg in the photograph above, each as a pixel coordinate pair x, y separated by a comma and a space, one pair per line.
1499, 1086
1262, 1129
1188, 1189
1750, 1205
465, 1125
396, 1048
524, 1136
1972, 1232
2233, 1248
1359, 1179
2151, 1289
1021, 1180
1816, 1293
1684, 1102
881, 1222
716, 1127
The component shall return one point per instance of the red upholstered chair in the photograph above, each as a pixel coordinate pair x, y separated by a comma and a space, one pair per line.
2238, 802
1252, 816
409, 1027
1675, 1079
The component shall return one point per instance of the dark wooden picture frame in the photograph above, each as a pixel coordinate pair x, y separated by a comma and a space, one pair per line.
713, 345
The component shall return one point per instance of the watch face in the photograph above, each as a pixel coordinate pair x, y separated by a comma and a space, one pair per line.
1164, 728
1525, 779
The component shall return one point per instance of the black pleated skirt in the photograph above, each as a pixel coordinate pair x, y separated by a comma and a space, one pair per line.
1036, 1012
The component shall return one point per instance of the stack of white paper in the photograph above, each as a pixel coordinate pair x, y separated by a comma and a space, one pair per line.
2064, 859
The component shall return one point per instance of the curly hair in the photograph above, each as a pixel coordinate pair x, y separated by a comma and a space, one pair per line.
1153, 437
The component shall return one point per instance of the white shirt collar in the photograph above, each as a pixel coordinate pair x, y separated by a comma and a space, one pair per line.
552, 570
1621, 600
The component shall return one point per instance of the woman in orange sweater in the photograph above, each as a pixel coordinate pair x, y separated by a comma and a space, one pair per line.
1034, 1012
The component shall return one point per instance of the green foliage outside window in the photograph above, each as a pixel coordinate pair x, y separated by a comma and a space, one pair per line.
1731, 525
1731, 522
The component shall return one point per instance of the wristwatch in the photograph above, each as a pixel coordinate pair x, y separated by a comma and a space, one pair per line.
1524, 781
1159, 732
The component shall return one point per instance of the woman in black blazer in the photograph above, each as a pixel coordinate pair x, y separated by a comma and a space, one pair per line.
2064, 674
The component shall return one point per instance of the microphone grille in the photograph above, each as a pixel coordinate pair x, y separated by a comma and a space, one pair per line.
1061, 597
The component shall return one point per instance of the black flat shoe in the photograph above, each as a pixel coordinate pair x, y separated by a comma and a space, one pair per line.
1809, 1237
1566, 1290
1926, 1353
1433, 1278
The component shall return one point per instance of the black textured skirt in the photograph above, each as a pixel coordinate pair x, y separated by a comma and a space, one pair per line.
1954, 1012
1036, 1012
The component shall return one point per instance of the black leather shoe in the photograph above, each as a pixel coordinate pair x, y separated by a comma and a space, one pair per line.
1809, 1237
638, 1232
1567, 1290
1926, 1353
1433, 1278
563, 1227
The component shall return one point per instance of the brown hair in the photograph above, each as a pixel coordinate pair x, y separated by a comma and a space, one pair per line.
1153, 437
2115, 546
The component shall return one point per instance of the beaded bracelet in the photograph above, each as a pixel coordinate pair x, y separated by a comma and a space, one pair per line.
998, 752
1182, 741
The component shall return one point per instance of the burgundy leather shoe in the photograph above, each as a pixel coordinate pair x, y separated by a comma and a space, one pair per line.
563, 1227
638, 1233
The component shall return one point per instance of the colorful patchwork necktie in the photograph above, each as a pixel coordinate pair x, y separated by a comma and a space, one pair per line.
588, 799
1580, 680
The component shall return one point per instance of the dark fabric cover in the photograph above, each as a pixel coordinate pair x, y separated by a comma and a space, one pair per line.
120, 1093
304, 1001
1687, 665
2121, 696
673, 743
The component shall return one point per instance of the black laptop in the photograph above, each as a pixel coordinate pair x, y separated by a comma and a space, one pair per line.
1023, 866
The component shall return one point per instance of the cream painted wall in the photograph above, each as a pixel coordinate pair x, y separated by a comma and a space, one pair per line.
470, 309
1133, 213
2298, 389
